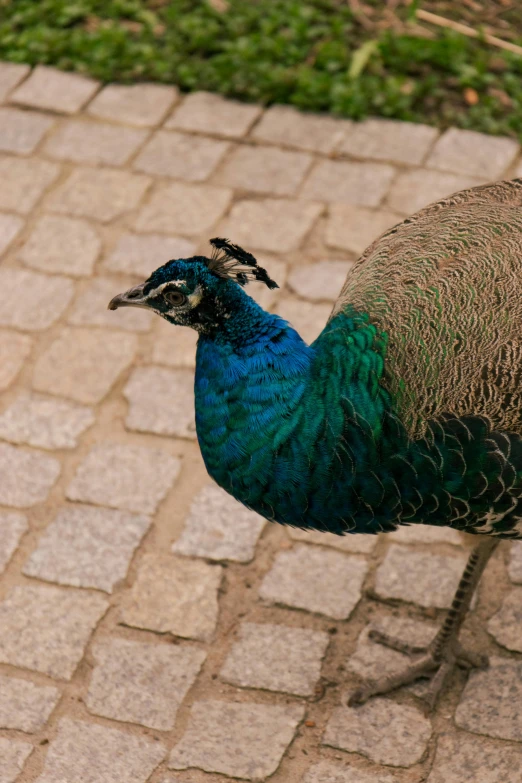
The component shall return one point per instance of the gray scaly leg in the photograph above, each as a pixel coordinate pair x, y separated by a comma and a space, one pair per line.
439, 658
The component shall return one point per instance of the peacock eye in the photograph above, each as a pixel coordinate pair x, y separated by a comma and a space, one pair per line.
175, 297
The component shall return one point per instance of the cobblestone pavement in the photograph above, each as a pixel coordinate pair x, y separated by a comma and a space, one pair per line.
153, 629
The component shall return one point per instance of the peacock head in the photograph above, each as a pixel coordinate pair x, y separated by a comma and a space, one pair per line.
199, 291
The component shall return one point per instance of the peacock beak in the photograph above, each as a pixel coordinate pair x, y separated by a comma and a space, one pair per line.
132, 298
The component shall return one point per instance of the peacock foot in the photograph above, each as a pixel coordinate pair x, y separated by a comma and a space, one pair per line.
435, 662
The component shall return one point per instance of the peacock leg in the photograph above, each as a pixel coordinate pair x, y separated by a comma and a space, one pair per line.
445, 651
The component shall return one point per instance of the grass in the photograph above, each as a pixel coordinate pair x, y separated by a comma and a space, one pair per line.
321, 55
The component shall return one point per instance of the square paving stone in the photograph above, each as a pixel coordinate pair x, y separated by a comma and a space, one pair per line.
422, 578
22, 131
44, 422
25, 706
161, 401
11, 74
13, 754
175, 347
10, 226
178, 155
13, 527
307, 319
351, 183
91, 753
315, 579
84, 141
90, 308
49, 88
490, 703
240, 740
141, 254
398, 142
506, 625
219, 528
275, 225
413, 190
382, 730
135, 478
83, 364
515, 562
184, 209
425, 534
204, 112
61, 244
87, 547
462, 758
265, 170
285, 126
27, 477
101, 194
46, 629
326, 772
476, 154
322, 280
24, 181
174, 595
32, 301
354, 228
142, 683
144, 105
276, 658
14, 350
356, 543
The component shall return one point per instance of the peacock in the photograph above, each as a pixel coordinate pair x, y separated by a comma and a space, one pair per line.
407, 409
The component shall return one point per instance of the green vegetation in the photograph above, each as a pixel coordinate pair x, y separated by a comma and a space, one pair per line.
318, 55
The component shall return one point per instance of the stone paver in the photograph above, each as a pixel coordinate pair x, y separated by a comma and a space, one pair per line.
48, 88
101, 194
181, 156
426, 534
32, 301
174, 595
505, 625
382, 730
83, 141
142, 683
204, 112
398, 142
44, 422
46, 629
24, 181
469, 152
322, 280
515, 562
218, 527
22, 131
99, 754
134, 478
326, 772
265, 170
161, 401
354, 228
276, 658
491, 699
413, 190
144, 105
426, 579
315, 579
463, 757
90, 308
140, 254
27, 476
286, 126
83, 364
184, 209
10, 226
241, 740
13, 526
11, 74
350, 183
355, 543
307, 319
14, 754
25, 706
275, 225
87, 547
175, 347
14, 350
61, 245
